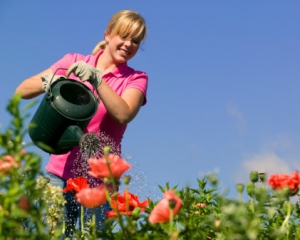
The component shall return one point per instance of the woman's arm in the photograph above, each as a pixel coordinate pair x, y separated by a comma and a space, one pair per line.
123, 109
32, 87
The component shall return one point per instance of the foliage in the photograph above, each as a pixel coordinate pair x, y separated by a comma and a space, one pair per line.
30, 208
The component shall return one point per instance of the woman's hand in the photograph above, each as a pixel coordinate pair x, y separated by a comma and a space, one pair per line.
33, 86
48, 79
86, 73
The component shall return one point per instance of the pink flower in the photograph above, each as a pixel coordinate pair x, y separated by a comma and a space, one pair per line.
74, 185
99, 167
161, 212
92, 197
121, 201
280, 181
8, 162
201, 205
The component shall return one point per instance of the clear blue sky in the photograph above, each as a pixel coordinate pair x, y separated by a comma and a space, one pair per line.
223, 81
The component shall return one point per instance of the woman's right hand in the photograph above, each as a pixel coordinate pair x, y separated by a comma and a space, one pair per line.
33, 86
48, 79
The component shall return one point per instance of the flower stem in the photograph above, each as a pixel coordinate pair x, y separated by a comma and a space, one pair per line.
289, 211
94, 221
82, 218
171, 221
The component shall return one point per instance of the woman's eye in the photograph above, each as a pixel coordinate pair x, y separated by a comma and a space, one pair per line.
134, 41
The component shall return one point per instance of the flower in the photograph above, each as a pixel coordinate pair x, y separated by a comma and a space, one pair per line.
120, 204
74, 185
92, 197
201, 205
161, 212
23, 203
280, 181
102, 167
7, 162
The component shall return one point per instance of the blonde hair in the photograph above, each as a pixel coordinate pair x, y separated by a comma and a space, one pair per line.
126, 24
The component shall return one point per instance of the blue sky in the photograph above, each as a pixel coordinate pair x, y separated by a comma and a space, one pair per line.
223, 81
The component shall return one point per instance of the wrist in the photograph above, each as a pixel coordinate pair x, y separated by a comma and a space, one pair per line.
96, 82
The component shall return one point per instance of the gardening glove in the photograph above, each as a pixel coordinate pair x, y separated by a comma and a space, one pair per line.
86, 73
48, 79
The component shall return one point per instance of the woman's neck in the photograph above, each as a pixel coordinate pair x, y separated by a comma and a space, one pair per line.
105, 63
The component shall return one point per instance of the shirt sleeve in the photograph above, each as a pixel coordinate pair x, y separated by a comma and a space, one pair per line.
139, 81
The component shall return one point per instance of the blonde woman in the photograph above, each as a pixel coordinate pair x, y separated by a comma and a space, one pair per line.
122, 91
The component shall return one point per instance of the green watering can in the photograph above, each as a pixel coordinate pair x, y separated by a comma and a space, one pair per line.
58, 124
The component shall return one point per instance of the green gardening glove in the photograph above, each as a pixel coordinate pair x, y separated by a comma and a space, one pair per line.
86, 73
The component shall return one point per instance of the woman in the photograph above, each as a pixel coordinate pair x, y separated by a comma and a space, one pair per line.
121, 89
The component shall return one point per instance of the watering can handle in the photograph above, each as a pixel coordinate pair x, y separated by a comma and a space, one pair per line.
49, 92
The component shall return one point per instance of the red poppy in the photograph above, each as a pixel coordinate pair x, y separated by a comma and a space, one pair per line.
121, 202
99, 167
161, 212
74, 185
280, 181
92, 197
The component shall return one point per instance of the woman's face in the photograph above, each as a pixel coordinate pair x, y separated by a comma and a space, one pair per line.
120, 49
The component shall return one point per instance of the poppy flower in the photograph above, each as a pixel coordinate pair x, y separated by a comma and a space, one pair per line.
74, 185
161, 212
92, 197
280, 181
120, 204
100, 169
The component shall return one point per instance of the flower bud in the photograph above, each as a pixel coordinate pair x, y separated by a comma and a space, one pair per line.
127, 179
106, 150
250, 189
240, 187
136, 212
254, 176
262, 177
172, 203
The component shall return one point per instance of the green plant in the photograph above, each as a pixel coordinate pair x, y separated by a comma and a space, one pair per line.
30, 208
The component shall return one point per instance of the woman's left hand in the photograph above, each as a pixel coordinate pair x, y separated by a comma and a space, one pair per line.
86, 73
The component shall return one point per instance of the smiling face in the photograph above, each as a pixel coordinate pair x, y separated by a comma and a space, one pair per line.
125, 31
121, 49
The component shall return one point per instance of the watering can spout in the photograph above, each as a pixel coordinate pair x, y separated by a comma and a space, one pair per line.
70, 138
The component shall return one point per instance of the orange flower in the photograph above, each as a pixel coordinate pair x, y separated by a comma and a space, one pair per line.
161, 212
6, 163
280, 181
201, 205
74, 185
121, 202
100, 169
92, 197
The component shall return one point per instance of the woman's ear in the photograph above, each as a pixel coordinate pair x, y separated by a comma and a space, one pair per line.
107, 35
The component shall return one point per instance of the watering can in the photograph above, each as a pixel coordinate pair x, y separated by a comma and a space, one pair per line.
65, 111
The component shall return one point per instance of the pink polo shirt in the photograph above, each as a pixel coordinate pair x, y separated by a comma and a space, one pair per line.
111, 133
